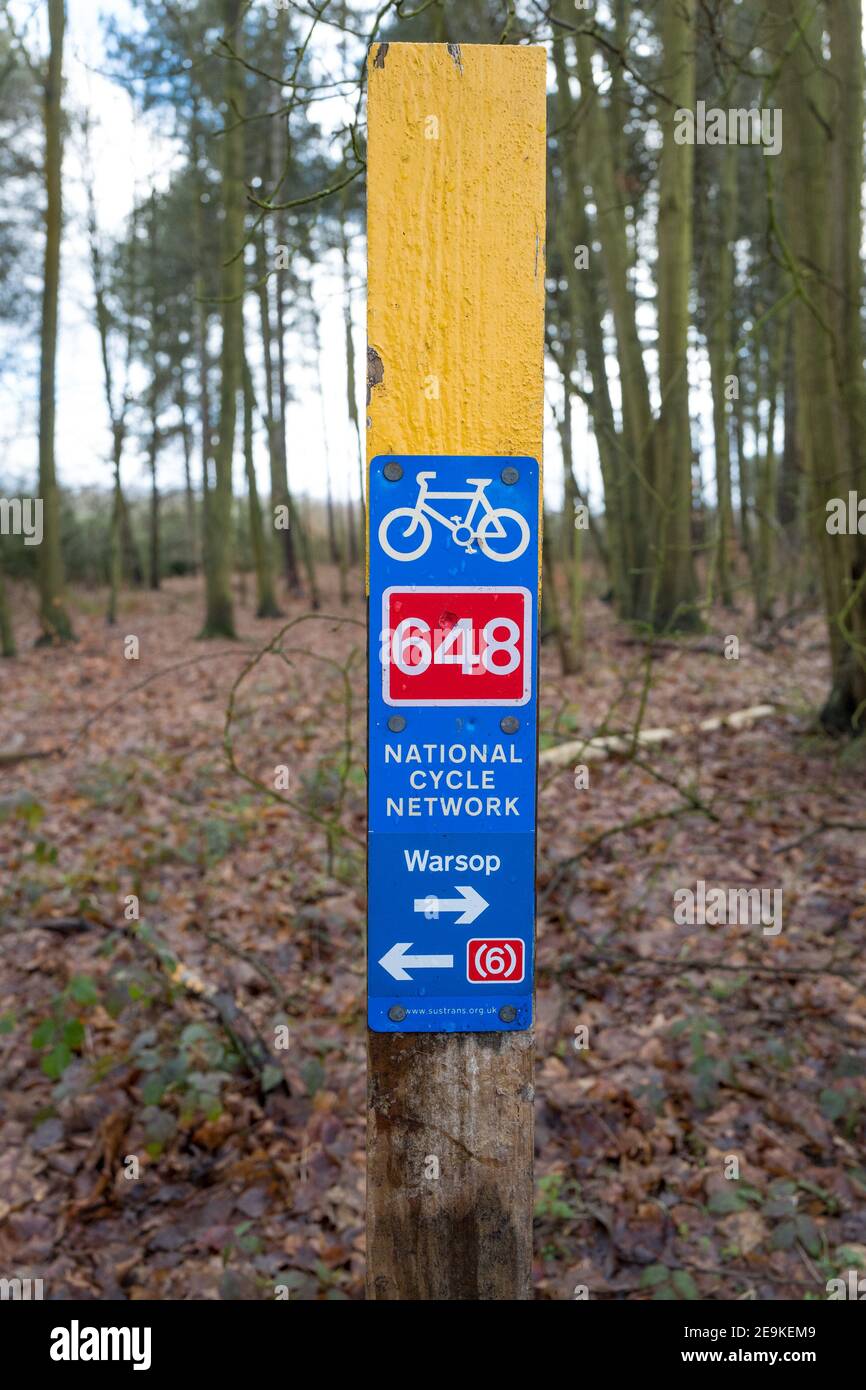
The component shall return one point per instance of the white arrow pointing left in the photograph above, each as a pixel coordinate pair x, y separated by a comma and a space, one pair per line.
470, 905
396, 960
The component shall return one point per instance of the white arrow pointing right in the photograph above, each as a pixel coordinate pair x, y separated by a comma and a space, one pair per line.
470, 905
395, 961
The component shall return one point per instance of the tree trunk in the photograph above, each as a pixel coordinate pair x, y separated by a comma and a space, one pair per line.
189, 491
570, 548
267, 604
53, 617
635, 467
765, 499
672, 598
114, 555
7, 635
131, 560
351, 529
276, 443
202, 353
574, 230
303, 528
551, 608
788, 503
153, 538
333, 548
279, 158
744, 478
807, 96
572, 541
333, 542
219, 618
154, 395
116, 414
352, 399
721, 366
619, 95
846, 70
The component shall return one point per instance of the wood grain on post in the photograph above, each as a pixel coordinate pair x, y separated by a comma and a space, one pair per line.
456, 209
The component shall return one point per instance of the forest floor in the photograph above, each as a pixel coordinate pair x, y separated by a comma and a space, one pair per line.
154, 1144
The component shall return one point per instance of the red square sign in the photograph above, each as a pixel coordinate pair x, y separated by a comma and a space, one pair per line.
447, 646
490, 960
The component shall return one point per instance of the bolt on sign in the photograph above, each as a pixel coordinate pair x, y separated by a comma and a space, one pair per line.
454, 566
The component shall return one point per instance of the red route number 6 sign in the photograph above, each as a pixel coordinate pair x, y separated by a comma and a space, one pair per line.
456, 646
490, 960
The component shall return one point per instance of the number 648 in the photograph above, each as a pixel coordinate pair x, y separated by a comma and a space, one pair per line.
412, 646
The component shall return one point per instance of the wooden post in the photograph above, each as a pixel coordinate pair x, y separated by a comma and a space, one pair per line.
456, 209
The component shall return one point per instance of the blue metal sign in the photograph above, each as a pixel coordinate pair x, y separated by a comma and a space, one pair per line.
453, 661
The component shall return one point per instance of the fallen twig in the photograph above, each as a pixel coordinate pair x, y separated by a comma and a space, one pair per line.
23, 755
596, 749
681, 967
819, 829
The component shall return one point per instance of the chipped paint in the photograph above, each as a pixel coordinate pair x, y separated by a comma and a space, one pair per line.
454, 50
375, 371
456, 249
381, 55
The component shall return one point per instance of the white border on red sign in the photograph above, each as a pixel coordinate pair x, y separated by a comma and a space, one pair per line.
463, 589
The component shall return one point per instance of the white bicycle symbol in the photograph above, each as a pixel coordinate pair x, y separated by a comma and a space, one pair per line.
497, 523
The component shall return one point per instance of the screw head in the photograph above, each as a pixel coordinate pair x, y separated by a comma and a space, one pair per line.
508, 1013
396, 1013
510, 724
396, 723
509, 476
393, 472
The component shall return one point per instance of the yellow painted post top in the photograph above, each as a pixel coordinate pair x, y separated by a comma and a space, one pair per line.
455, 228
